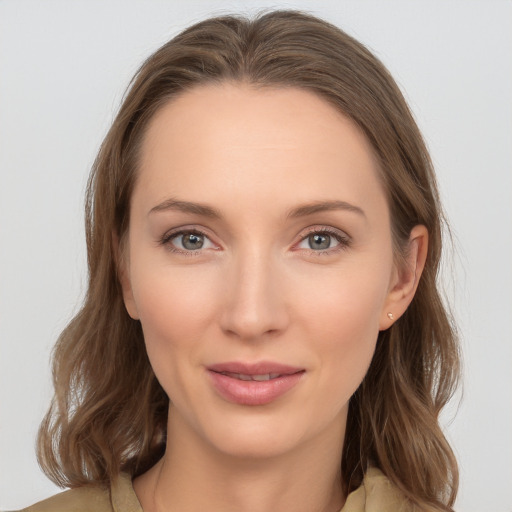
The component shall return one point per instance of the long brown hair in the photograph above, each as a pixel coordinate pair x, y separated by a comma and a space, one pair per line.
109, 412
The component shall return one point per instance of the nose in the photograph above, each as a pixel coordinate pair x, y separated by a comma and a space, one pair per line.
255, 299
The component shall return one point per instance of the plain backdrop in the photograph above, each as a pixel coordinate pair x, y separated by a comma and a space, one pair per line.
64, 65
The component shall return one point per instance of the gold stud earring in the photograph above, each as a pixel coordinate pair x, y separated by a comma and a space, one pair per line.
390, 316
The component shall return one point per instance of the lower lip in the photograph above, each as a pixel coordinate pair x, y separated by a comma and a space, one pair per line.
252, 392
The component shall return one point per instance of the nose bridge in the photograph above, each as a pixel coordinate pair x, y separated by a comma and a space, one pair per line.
255, 303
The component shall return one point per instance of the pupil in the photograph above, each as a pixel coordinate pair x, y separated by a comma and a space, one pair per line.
319, 241
192, 241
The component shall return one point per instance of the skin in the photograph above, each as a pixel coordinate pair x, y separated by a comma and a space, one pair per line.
257, 290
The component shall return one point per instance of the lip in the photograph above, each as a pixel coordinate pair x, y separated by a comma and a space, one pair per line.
253, 392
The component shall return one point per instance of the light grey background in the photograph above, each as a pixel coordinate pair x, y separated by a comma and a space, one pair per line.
64, 65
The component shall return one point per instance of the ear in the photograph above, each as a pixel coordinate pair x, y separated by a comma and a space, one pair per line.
405, 279
123, 274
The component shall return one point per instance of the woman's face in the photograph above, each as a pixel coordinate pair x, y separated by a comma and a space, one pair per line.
259, 262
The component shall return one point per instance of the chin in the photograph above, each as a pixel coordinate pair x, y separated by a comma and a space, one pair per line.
261, 433
256, 443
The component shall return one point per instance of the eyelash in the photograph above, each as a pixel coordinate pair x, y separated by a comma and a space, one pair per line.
343, 240
166, 239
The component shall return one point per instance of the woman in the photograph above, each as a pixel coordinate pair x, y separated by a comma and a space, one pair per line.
262, 328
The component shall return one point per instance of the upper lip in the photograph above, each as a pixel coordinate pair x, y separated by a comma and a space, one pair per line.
258, 368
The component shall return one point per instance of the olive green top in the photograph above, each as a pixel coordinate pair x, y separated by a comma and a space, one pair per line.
376, 494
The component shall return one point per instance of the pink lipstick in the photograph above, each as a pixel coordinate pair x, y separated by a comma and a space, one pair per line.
253, 383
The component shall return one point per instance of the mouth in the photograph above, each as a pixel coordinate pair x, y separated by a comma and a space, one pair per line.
260, 378
253, 384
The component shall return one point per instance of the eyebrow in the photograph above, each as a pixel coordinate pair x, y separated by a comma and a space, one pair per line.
324, 206
186, 207
300, 211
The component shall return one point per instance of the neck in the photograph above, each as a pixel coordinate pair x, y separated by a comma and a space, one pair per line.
193, 476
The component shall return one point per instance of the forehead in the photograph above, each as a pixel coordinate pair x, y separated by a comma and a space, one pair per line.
234, 138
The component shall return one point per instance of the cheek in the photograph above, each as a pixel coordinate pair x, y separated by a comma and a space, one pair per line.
346, 301
175, 307
172, 296
342, 323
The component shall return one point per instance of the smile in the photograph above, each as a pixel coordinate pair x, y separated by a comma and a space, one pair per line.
259, 378
253, 384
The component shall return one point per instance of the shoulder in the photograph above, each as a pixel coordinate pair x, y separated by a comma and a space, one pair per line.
377, 494
119, 498
83, 499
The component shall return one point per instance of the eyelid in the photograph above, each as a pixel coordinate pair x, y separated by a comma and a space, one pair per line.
166, 238
344, 240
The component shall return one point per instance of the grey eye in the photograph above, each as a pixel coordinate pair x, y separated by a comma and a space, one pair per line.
192, 241
319, 241
189, 242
